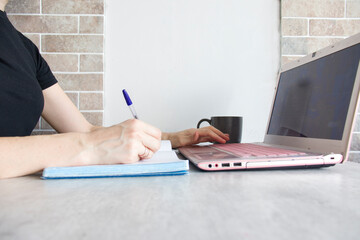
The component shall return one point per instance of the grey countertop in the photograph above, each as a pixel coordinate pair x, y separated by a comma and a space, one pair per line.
272, 204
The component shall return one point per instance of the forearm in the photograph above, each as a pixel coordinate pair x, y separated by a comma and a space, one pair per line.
121, 143
25, 155
173, 138
195, 136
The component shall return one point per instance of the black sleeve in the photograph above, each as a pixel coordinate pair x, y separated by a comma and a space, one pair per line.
43, 73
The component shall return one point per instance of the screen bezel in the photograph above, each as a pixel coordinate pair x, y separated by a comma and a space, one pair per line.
323, 146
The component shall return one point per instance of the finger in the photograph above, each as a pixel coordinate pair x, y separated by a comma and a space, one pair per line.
221, 134
150, 130
149, 154
150, 142
213, 136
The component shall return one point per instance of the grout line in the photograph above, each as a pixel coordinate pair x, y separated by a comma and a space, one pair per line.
40, 122
55, 14
345, 2
289, 55
66, 34
43, 130
304, 36
73, 53
40, 43
320, 18
79, 63
91, 111
95, 91
78, 29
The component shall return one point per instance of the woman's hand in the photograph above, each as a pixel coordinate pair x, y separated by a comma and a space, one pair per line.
126, 142
194, 136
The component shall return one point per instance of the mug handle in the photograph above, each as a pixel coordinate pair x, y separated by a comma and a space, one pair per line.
203, 120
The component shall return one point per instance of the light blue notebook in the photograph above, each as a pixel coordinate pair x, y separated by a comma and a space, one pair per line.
165, 162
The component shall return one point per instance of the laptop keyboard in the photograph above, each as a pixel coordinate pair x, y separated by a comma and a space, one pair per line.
253, 150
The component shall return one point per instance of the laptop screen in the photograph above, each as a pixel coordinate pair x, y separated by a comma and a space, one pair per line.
312, 100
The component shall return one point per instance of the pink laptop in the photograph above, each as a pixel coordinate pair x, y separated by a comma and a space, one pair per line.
311, 119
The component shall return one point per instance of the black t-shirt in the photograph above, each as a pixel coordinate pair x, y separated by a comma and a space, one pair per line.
23, 76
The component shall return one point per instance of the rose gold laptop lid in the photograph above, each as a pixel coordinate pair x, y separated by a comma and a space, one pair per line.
327, 131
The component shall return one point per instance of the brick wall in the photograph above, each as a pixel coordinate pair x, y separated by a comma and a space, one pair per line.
70, 36
307, 26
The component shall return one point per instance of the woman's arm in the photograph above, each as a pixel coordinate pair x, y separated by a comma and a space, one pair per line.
61, 113
194, 136
80, 144
122, 143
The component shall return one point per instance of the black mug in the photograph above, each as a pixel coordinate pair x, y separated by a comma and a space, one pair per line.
231, 125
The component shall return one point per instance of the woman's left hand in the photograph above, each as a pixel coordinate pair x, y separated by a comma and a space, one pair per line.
194, 136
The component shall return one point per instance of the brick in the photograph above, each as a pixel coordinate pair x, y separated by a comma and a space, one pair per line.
91, 24
354, 157
95, 118
38, 124
294, 46
315, 44
62, 62
72, 43
23, 6
45, 125
313, 8
91, 101
287, 59
353, 8
80, 82
40, 132
35, 38
334, 27
304, 46
74, 97
355, 142
91, 63
45, 24
294, 27
357, 123
73, 6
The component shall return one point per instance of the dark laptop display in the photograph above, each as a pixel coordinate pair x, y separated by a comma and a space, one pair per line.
313, 99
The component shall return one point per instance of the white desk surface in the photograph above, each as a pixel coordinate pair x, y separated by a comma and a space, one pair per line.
278, 204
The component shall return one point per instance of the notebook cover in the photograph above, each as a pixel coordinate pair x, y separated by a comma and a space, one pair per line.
176, 167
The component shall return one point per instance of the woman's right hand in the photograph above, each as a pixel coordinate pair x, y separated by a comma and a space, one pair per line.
127, 142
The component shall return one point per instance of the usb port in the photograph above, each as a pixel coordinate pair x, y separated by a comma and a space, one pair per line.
237, 164
225, 164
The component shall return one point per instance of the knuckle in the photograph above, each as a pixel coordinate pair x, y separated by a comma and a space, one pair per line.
131, 123
132, 134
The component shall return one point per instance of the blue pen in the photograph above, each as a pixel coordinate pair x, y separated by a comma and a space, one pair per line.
130, 104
